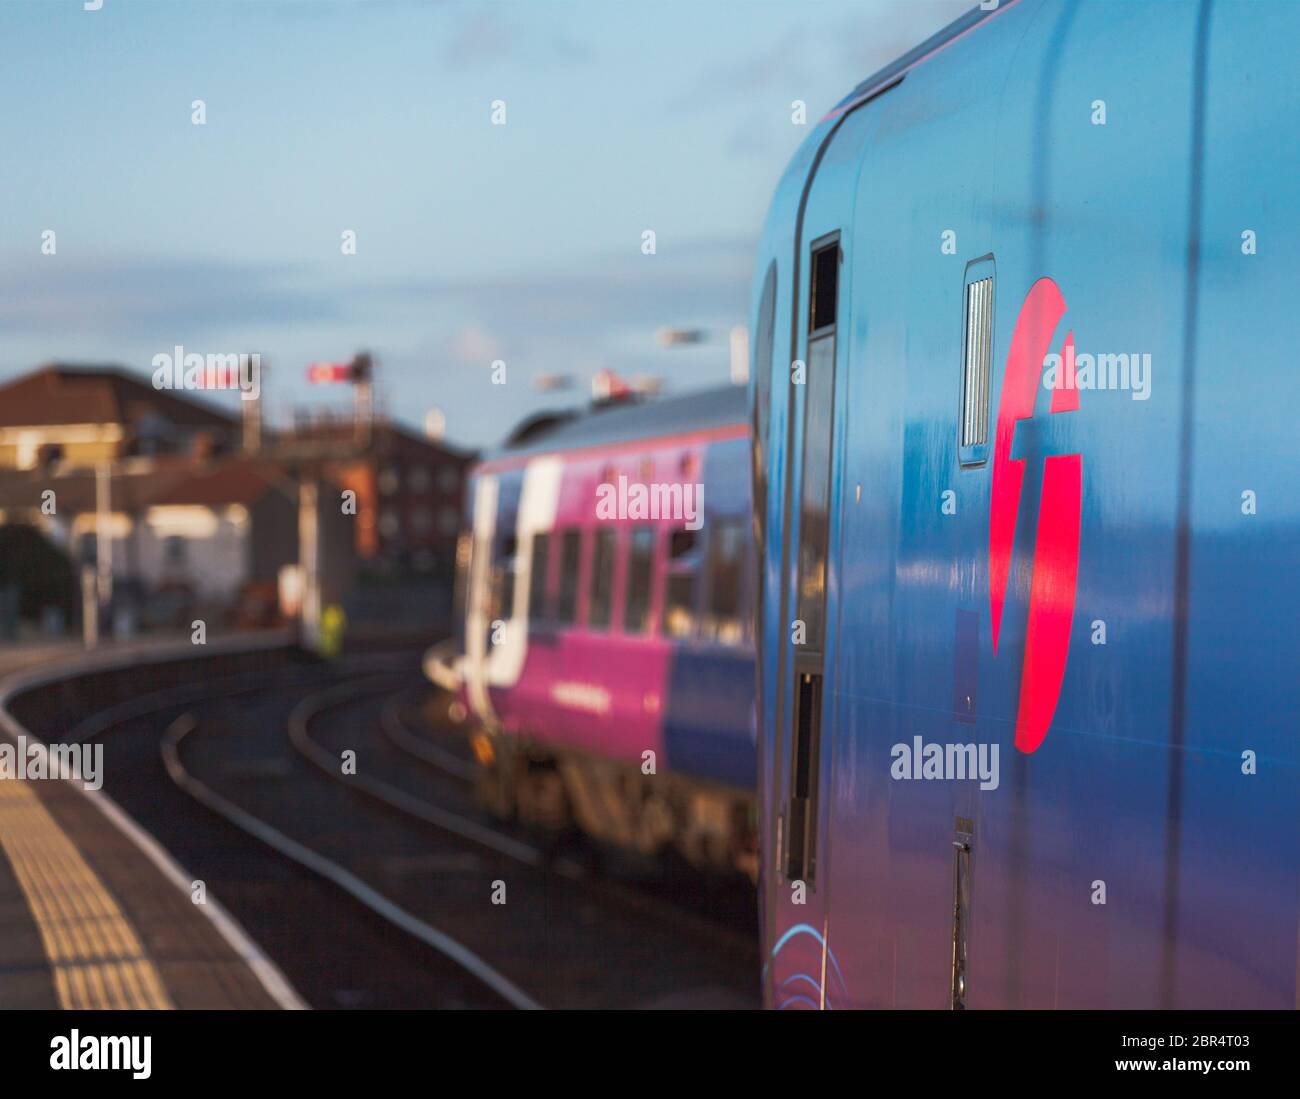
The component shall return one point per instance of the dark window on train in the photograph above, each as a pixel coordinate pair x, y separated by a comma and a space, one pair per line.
538, 605
602, 580
810, 583
503, 580
682, 543
801, 838
570, 560
764, 336
640, 575
825, 287
464, 550
722, 618
679, 600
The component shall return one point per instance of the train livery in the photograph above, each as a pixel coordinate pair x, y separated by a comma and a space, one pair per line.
1023, 328
606, 648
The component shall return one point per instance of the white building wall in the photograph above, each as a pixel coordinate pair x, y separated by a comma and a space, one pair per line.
214, 562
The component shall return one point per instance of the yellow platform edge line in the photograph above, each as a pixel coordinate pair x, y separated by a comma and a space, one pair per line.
95, 955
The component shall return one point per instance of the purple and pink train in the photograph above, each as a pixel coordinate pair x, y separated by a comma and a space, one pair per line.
606, 648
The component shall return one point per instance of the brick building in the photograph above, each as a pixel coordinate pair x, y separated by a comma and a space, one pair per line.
409, 489
80, 415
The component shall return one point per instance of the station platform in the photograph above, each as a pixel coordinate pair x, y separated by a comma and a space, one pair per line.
93, 912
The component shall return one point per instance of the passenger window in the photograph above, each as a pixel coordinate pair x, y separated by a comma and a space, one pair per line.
538, 605
763, 400
679, 603
723, 621
503, 581
570, 559
815, 493
602, 580
640, 575
810, 590
464, 550
825, 288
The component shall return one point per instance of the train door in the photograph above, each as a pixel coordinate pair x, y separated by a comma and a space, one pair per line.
802, 972
478, 595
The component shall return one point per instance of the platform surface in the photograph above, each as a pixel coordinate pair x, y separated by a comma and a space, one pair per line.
93, 914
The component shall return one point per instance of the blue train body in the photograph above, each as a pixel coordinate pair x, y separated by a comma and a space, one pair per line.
1096, 580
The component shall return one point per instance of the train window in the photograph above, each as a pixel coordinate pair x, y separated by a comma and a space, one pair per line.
570, 560
679, 606
722, 620
640, 575
503, 581
801, 834
464, 549
763, 397
810, 588
682, 543
825, 288
679, 601
538, 605
977, 363
815, 493
602, 580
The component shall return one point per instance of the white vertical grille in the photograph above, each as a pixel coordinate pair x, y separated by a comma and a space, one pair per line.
976, 363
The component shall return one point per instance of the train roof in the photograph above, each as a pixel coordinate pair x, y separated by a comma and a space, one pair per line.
699, 410
899, 68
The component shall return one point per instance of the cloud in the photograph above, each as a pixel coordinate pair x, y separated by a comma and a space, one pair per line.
486, 38
436, 337
814, 58
126, 297
474, 343
481, 39
598, 314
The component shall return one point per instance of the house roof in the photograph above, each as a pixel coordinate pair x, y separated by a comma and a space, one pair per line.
163, 483
60, 393
237, 482
339, 432
74, 490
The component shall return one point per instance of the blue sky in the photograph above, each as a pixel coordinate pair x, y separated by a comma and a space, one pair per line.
474, 242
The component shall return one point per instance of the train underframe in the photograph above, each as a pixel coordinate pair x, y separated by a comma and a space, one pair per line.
712, 827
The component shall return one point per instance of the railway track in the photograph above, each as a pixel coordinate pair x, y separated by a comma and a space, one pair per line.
642, 898
394, 889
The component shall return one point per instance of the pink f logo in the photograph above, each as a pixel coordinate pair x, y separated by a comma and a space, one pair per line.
1056, 545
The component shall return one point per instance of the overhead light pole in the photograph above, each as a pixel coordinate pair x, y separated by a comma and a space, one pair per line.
737, 337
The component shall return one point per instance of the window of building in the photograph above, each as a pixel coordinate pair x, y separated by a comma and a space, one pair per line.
418, 480
389, 524
448, 479
602, 580
448, 521
570, 561
388, 481
421, 520
640, 575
